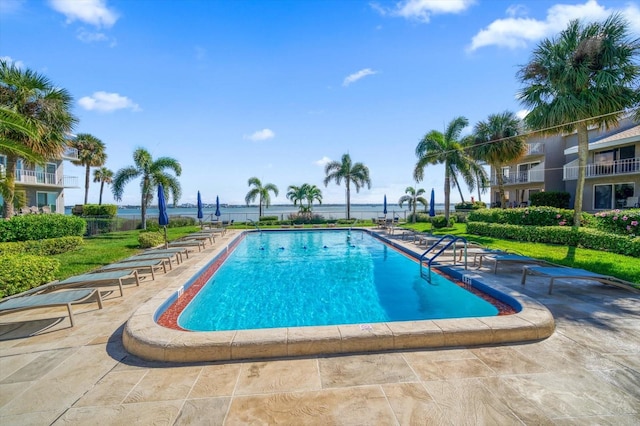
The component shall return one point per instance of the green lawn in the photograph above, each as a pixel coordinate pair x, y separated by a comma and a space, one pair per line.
108, 248
623, 267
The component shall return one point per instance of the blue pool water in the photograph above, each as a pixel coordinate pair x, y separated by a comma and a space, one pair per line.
293, 279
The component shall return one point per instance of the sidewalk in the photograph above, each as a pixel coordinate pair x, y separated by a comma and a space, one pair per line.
587, 372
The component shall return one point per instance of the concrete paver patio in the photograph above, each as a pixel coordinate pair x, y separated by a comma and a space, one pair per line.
587, 372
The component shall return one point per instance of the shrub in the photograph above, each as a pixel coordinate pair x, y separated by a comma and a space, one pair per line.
46, 247
150, 239
583, 237
621, 222
307, 218
535, 216
468, 205
22, 272
420, 217
268, 218
40, 226
439, 221
551, 199
102, 210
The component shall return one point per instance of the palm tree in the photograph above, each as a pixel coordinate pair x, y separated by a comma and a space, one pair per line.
413, 197
357, 173
91, 153
261, 192
102, 175
497, 142
586, 76
297, 194
313, 194
446, 148
42, 108
151, 173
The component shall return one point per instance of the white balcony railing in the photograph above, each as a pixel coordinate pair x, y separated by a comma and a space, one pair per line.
536, 148
535, 174
609, 168
70, 154
32, 177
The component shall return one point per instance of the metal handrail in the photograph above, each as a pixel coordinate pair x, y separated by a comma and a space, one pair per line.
255, 224
453, 241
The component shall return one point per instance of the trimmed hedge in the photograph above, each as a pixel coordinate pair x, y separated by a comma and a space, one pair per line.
46, 247
564, 235
150, 239
102, 210
623, 222
40, 227
23, 272
534, 216
552, 199
468, 205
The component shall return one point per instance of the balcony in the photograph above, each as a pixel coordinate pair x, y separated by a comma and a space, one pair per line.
32, 177
610, 168
536, 148
533, 175
70, 154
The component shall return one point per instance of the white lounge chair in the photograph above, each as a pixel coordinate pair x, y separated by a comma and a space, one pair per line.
508, 258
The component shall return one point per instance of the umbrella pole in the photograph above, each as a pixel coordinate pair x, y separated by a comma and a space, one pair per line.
166, 243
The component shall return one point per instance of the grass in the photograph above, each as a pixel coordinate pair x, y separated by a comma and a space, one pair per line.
624, 267
108, 248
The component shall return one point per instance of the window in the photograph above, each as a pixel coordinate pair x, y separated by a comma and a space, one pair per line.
47, 199
612, 196
523, 171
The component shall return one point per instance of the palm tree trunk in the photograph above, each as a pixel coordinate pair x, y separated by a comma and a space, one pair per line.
143, 211
479, 189
500, 180
259, 208
583, 151
86, 184
11, 186
348, 198
415, 202
447, 193
101, 188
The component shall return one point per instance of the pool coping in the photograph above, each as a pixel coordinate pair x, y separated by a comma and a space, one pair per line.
145, 338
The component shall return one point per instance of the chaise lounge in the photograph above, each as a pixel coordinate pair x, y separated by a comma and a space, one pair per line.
559, 273
97, 279
139, 266
47, 300
508, 258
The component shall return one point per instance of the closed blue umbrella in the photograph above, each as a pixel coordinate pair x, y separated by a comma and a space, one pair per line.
384, 209
432, 204
200, 214
217, 213
163, 218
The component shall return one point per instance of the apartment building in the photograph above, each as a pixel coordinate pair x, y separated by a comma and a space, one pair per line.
551, 164
43, 185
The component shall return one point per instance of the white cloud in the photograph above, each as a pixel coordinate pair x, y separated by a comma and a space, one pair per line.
9, 60
107, 102
357, 76
522, 113
516, 32
94, 12
91, 37
422, 10
323, 161
261, 135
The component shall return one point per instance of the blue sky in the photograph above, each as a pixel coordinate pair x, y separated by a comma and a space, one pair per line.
275, 89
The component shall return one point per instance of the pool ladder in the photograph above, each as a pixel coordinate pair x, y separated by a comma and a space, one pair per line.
255, 224
452, 242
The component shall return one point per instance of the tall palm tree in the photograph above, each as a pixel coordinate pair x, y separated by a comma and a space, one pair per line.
44, 108
586, 76
313, 194
297, 194
261, 192
413, 197
151, 173
91, 153
356, 174
497, 141
102, 175
447, 148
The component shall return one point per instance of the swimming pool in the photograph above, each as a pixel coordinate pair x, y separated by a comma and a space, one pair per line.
152, 332
310, 278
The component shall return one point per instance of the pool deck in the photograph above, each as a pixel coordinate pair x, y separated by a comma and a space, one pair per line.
586, 372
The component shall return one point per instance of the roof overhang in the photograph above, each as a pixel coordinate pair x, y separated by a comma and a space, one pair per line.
622, 138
